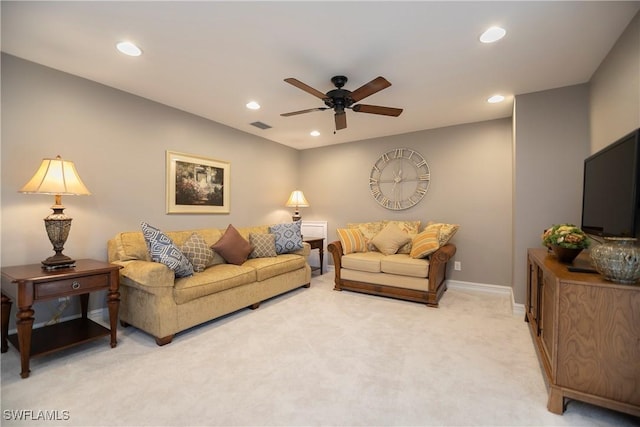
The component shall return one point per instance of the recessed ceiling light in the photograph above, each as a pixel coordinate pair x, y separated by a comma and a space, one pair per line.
129, 48
314, 133
253, 105
493, 34
495, 99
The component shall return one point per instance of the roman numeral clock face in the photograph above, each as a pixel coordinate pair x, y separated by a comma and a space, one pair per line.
399, 179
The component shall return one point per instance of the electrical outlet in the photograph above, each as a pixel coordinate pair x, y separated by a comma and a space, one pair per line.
457, 266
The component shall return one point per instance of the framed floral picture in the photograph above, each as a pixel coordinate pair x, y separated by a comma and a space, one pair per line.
197, 185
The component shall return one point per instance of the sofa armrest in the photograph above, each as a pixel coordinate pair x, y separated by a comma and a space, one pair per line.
335, 248
438, 265
145, 275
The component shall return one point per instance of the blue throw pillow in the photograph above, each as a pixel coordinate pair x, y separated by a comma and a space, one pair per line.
288, 237
163, 250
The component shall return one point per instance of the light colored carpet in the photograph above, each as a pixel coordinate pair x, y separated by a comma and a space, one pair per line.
311, 357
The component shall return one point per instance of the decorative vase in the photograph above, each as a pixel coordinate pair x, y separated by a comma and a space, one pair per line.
618, 259
565, 255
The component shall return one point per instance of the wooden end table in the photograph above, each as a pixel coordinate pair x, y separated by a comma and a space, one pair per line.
28, 284
317, 243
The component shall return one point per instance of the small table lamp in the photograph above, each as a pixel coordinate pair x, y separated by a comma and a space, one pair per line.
59, 178
297, 200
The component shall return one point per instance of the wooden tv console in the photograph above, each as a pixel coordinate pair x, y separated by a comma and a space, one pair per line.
586, 332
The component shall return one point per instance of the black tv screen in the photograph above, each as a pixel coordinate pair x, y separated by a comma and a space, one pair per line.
611, 191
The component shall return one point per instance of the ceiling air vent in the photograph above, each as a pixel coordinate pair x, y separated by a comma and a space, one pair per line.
261, 125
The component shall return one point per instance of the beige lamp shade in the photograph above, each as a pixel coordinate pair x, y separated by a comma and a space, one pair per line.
56, 176
297, 199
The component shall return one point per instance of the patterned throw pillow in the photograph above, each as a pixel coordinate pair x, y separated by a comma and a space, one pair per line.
198, 252
234, 248
264, 245
445, 231
163, 250
390, 239
288, 237
352, 240
425, 243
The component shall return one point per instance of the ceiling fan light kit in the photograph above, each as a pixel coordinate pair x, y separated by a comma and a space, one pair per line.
340, 99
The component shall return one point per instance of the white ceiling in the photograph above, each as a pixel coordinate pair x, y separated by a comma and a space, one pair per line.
210, 58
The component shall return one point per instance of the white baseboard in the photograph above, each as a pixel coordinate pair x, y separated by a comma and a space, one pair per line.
516, 309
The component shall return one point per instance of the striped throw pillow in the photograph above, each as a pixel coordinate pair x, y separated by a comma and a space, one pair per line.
352, 240
425, 243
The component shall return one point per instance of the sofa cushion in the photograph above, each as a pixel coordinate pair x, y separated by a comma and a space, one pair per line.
198, 252
404, 265
264, 245
163, 250
288, 237
274, 266
232, 246
131, 245
352, 240
212, 280
363, 261
390, 239
425, 243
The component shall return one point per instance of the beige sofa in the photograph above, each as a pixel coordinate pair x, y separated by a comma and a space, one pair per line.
413, 267
155, 301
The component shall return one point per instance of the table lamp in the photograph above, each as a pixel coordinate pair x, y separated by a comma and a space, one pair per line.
297, 200
59, 178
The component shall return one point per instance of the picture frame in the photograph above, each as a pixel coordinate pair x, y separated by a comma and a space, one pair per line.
197, 184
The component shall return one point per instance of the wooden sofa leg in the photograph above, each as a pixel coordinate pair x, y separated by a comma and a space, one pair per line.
165, 340
124, 324
254, 306
308, 285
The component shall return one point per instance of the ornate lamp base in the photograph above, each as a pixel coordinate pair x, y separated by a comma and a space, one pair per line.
58, 225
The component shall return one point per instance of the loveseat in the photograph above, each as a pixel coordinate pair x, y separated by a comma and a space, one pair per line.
394, 259
169, 295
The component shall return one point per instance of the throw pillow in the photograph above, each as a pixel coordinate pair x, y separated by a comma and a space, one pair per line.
264, 245
234, 248
445, 231
352, 240
410, 227
163, 250
390, 239
368, 230
425, 243
288, 237
198, 252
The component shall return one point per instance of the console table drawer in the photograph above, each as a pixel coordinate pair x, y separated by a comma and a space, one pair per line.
75, 286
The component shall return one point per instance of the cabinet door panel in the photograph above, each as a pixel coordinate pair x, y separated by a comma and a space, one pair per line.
548, 316
599, 341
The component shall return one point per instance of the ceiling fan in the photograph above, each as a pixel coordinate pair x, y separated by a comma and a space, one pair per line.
340, 99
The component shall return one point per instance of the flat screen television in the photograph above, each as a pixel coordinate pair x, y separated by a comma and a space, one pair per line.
611, 189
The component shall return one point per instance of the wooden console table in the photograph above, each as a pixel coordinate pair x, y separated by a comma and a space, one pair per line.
587, 334
28, 284
317, 243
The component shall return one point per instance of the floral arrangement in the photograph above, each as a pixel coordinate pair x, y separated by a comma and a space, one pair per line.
566, 236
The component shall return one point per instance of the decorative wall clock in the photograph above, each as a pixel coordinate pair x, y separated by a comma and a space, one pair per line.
399, 179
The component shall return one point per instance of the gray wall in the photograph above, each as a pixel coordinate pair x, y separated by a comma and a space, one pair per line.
551, 141
470, 185
615, 90
118, 143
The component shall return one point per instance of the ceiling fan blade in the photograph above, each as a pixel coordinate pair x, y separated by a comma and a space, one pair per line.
375, 85
341, 120
375, 109
297, 83
293, 113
